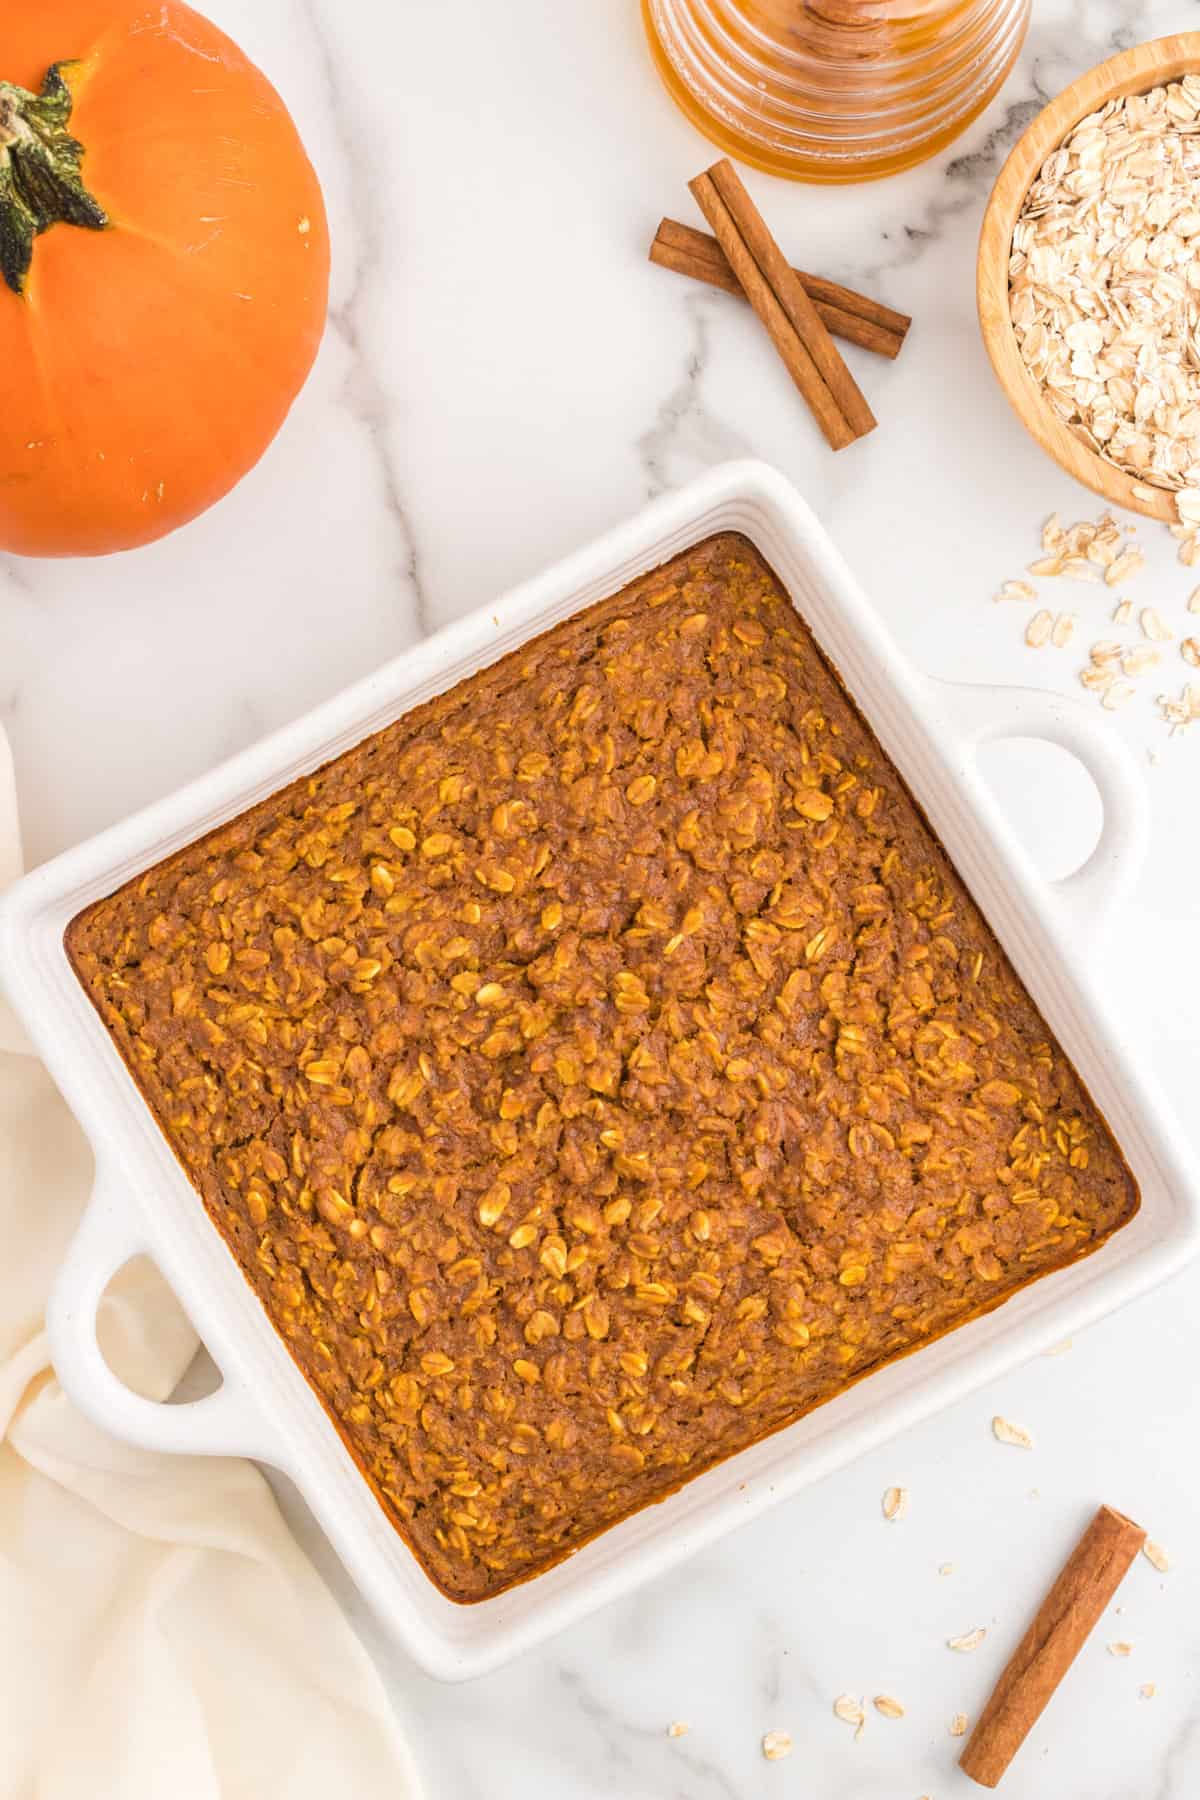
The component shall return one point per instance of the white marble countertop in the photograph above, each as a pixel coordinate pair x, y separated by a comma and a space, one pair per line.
504, 376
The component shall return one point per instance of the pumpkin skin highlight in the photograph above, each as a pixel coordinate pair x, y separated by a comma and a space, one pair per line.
146, 367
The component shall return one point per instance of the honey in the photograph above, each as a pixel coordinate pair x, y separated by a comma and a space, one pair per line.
834, 90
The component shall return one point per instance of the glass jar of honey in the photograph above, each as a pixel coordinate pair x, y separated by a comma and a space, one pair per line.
834, 90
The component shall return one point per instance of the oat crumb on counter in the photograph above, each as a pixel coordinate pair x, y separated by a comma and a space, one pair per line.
1007, 1433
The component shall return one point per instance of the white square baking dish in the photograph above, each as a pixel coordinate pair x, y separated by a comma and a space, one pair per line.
143, 1201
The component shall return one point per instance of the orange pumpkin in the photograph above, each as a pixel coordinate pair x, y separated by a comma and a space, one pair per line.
164, 271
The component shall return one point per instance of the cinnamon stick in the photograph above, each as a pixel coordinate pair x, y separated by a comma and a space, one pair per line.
1089, 1579
808, 354
845, 314
777, 295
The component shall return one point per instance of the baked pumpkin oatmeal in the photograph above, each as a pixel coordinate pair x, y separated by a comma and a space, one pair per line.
599, 1068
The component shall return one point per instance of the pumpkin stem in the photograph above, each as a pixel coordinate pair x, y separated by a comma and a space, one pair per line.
40, 180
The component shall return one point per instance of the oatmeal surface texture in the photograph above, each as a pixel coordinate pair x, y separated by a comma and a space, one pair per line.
599, 1068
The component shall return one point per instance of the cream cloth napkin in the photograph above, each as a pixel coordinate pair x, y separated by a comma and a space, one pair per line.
161, 1635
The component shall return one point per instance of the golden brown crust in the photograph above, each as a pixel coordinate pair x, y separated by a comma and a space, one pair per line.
599, 1068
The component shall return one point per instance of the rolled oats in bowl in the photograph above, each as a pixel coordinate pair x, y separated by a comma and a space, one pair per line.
1104, 284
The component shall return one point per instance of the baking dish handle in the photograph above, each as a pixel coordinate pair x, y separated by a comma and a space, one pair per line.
984, 712
224, 1423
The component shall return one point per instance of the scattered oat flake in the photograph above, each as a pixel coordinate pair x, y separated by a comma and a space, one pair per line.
1098, 680
1064, 627
1008, 1433
1190, 651
1052, 532
1120, 1648
958, 1725
1128, 563
1139, 659
850, 1711
1180, 713
1194, 601
678, 1729
1105, 653
1155, 626
1038, 630
895, 1503
970, 1640
1046, 565
889, 1706
1147, 1690
1117, 695
1016, 590
1157, 1555
1122, 612
776, 1745
1142, 492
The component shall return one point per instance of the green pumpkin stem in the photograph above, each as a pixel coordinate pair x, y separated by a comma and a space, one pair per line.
40, 179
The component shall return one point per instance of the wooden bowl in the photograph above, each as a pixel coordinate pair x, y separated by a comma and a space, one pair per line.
1132, 72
